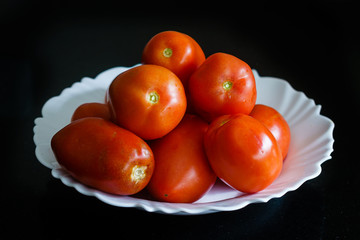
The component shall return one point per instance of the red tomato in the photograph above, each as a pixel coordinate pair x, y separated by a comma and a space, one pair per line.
102, 155
223, 84
182, 172
92, 109
243, 152
148, 100
175, 51
276, 123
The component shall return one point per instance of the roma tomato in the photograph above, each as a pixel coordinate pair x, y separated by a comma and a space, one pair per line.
148, 100
92, 109
175, 51
276, 123
182, 172
102, 155
222, 85
243, 152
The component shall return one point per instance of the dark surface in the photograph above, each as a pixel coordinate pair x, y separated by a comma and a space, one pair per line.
47, 46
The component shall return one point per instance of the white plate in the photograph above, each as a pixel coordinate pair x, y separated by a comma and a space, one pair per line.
310, 146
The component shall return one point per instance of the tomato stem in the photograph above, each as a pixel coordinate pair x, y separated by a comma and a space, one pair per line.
154, 97
167, 52
227, 85
138, 173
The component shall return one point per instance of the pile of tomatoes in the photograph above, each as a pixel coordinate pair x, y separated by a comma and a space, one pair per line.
175, 124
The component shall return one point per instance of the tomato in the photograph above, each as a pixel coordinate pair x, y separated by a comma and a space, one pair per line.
276, 123
92, 109
243, 152
182, 172
175, 51
148, 100
102, 155
222, 85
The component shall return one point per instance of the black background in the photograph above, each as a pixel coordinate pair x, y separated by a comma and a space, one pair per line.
48, 45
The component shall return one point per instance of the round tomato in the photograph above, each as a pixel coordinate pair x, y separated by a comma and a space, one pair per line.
222, 85
148, 100
182, 172
92, 109
276, 123
243, 152
175, 51
103, 155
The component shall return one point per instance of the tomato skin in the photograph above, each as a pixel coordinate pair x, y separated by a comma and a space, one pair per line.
222, 85
182, 172
148, 100
102, 155
276, 123
92, 109
183, 58
243, 152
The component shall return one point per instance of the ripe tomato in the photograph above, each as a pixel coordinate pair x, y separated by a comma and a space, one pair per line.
243, 152
102, 155
92, 109
182, 172
175, 51
223, 84
276, 123
148, 100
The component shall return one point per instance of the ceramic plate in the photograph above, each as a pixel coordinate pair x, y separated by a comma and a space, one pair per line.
311, 145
